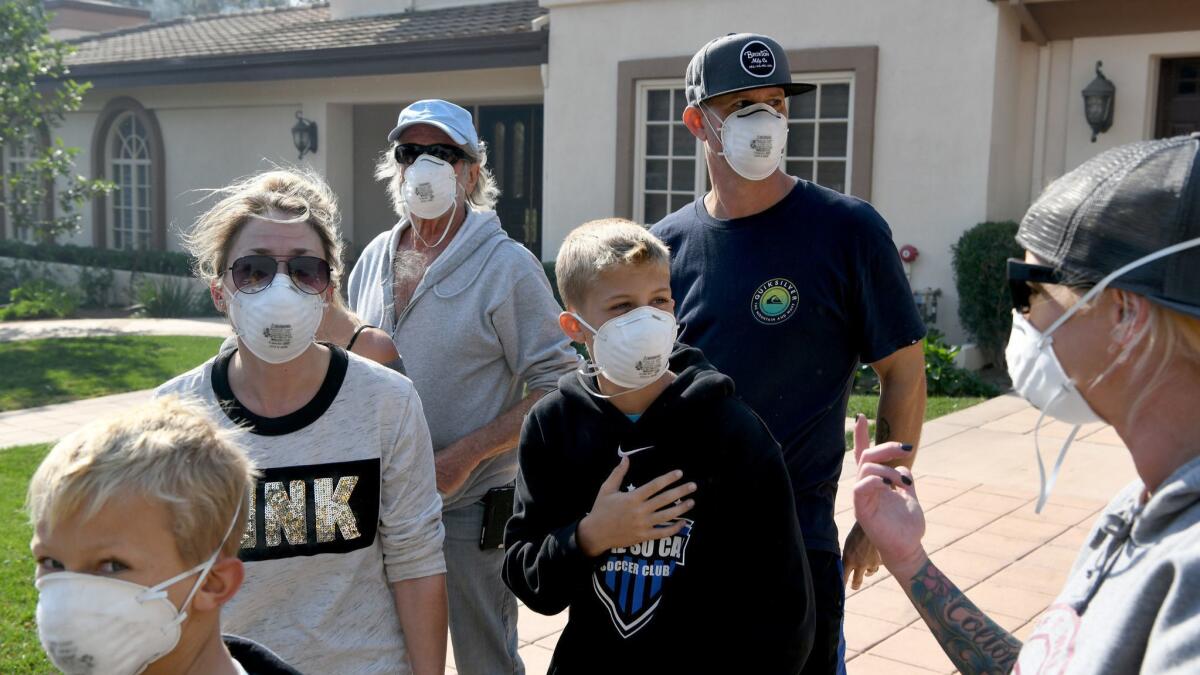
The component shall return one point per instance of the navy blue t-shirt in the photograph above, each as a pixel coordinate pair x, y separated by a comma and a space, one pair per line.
788, 302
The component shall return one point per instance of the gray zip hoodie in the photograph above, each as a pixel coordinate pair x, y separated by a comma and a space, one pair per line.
1132, 602
482, 326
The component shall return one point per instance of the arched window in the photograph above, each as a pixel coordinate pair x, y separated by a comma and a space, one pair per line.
128, 151
129, 167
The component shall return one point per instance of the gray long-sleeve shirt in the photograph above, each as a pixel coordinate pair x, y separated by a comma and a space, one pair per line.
346, 505
482, 326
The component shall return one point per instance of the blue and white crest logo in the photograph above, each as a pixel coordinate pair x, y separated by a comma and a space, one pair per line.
631, 581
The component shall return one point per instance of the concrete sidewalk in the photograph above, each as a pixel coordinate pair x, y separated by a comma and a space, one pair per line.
73, 328
977, 479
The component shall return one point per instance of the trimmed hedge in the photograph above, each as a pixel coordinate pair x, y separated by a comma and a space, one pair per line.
980, 262
156, 262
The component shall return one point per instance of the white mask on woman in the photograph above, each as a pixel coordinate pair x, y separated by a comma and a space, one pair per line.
277, 323
1038, 376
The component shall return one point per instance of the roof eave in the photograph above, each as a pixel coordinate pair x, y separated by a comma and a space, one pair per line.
490, 51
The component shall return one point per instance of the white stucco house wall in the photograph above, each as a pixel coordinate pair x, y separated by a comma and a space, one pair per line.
942, 113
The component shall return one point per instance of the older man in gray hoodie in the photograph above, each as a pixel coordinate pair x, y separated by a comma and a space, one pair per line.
472, 313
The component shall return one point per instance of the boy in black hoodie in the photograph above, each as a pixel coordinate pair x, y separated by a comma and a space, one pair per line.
652, 501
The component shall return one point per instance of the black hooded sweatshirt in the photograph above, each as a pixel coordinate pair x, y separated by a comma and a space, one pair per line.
731, 589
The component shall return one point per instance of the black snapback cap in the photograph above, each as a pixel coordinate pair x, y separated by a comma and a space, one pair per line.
737, 62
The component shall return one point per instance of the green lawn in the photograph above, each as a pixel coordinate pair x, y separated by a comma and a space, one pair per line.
935, 407
19, 648
41, 372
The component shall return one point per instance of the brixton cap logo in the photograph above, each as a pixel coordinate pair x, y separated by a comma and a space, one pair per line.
758, 59
739, 62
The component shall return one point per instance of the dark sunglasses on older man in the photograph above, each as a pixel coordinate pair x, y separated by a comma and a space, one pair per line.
1021, 274
253, 273
407, 153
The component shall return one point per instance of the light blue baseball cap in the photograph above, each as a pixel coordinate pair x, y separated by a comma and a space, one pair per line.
450, 118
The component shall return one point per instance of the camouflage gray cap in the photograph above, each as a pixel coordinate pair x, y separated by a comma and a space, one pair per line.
1119, 206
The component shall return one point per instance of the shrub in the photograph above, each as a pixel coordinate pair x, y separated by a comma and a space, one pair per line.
168, 299
10, 278
96, 285
979, 263
942, 376
157, 262
39, 299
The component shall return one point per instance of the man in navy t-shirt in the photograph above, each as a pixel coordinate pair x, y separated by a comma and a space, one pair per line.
787, 286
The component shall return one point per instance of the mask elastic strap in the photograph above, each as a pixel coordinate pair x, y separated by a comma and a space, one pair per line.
445, 230
160, 591
1103, 283
1048, 484
584, 323
704, 111
579, 375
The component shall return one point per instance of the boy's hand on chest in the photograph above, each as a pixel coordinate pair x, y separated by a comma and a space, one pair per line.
624, 514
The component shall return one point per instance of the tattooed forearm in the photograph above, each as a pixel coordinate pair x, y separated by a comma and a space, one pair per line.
883, 430
972, 641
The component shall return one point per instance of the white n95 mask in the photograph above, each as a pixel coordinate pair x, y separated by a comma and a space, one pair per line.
94, 625
277, 323
632, 350
753, 140
1038, 376
429, 187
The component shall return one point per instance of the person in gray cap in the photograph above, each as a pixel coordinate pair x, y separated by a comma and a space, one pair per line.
1106, 327
787, 287
474, 316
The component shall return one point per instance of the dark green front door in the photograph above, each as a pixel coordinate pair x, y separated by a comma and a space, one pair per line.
513, 134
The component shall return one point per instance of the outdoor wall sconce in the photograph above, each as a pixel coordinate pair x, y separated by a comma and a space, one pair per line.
304, 135
1098, 102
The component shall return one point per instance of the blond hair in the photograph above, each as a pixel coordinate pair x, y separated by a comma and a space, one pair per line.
1171, 336
300, 195
165, 450
482, 198
599, 245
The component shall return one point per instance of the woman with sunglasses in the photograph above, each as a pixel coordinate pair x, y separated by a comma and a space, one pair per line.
1106, 326
343, 547
472, 311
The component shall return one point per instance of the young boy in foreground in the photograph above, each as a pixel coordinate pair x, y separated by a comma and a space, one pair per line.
136, 528
651, 501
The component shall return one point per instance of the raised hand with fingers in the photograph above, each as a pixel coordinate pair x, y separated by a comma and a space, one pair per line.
623, 518
885, 502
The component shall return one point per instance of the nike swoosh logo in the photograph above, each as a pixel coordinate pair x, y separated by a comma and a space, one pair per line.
627, 453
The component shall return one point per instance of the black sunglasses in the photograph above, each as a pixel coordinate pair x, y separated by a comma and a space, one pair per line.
254, 273
1021, 274
407, 153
